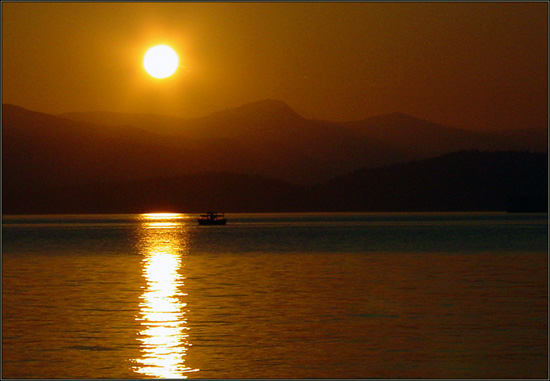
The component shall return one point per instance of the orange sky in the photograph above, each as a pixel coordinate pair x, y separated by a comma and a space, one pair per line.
466, 65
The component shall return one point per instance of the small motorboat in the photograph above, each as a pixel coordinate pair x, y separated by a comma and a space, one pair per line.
212, 218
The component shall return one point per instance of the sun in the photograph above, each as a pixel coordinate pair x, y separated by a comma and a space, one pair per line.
160, 61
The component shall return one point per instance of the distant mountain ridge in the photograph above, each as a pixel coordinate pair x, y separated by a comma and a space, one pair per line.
166, 124
296, 153
462, 181
264, 138
458, 181
266, 112
395, 130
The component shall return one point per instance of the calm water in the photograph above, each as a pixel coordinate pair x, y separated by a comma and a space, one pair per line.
275, 296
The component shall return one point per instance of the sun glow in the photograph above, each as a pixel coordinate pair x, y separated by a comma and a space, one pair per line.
161, 61
162, 216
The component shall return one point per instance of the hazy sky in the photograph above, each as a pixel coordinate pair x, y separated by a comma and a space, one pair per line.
467, 65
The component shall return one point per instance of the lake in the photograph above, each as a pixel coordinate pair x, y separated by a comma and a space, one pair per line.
359, 295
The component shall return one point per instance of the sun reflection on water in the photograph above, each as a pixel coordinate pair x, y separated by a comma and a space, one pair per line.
163, 337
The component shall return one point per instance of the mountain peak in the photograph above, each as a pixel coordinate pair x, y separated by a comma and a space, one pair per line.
267, 109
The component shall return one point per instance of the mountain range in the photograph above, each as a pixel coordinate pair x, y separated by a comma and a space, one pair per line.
391, 137
461, 181
261, 146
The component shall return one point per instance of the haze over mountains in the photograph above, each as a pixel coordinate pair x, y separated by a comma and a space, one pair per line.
266, 143
271, 119
271, 139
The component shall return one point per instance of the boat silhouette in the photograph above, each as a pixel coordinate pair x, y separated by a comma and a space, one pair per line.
212, 218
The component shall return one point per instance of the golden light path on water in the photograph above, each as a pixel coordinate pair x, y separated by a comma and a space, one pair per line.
163, 337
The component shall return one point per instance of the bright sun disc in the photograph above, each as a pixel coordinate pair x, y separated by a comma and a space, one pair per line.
160, 61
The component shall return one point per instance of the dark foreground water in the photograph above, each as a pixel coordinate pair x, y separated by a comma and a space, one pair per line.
275, 296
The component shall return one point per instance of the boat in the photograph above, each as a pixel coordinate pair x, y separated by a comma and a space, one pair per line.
212, 218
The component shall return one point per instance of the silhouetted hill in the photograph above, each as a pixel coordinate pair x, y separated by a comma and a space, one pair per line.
269, 138
532, 139
264, 138
39, 148
277, 144
190, 193
160, 124
421, 139
461, 181
410, 137
248, 118
242, 119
